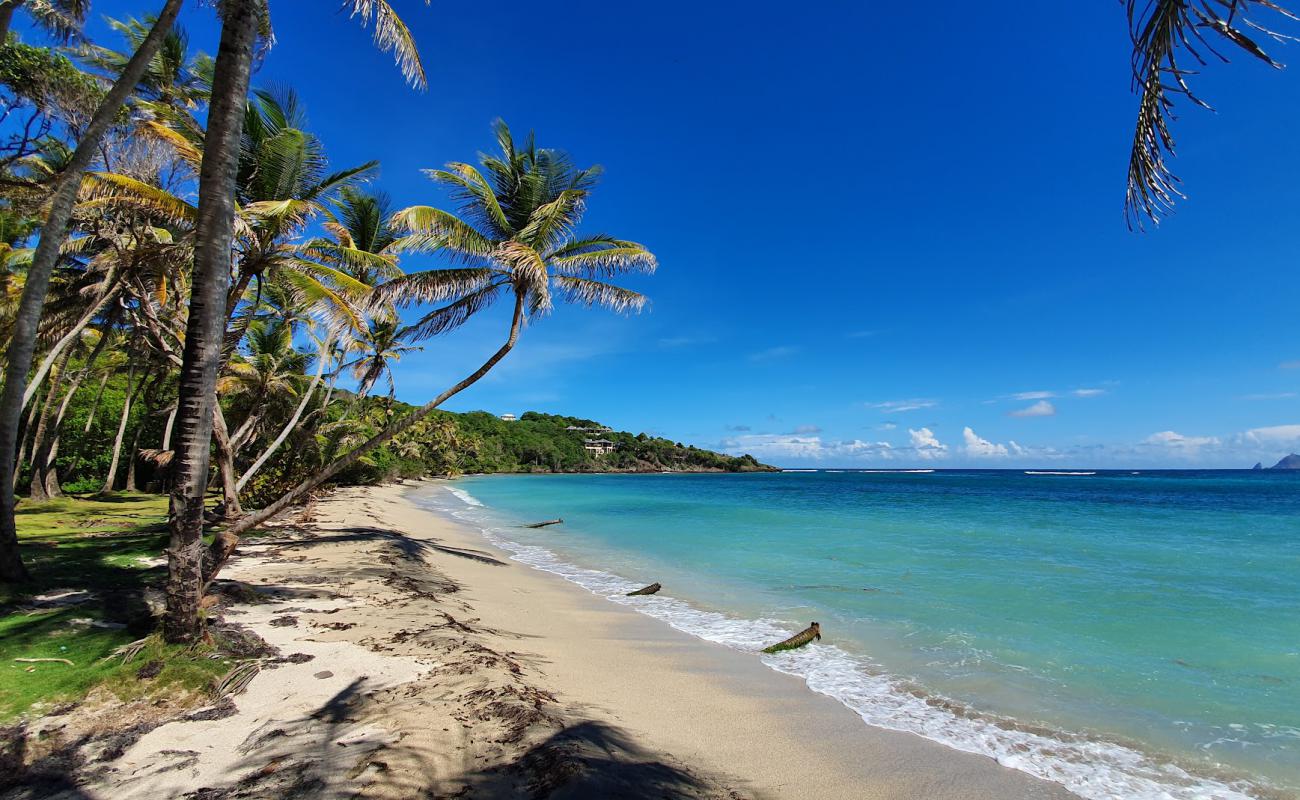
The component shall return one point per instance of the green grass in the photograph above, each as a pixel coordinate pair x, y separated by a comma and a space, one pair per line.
97, 545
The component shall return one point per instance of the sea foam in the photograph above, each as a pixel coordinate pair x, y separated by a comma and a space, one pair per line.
1091, 768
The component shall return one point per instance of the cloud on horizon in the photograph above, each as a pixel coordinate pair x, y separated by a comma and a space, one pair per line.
1042, 408
900, 406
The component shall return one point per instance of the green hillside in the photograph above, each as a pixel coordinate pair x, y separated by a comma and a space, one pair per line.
551, 443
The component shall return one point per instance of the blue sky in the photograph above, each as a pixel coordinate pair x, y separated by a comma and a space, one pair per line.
889, 233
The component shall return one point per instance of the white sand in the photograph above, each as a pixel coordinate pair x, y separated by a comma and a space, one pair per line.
454, 669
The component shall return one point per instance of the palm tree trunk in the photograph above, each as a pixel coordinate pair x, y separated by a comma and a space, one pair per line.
291, 424
94, 406
40, 447
43, 460
224, 543
167, 429
7, 9
111, 479
230, 507
22, 344
110, 292
26, 431
214, 231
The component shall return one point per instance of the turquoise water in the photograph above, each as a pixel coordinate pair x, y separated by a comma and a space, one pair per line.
1128, 635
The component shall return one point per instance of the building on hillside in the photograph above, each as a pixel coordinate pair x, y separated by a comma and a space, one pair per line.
509, 418
598, 447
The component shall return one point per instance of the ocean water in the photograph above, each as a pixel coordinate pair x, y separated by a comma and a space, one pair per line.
1129, 635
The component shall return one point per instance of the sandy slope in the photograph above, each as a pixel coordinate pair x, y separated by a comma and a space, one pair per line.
439, 668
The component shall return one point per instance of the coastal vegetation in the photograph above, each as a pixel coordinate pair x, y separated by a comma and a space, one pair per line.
193, 293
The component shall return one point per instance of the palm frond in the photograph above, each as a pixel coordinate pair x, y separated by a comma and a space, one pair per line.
1165, 34
436, 229
453, 315
590, 293
391, 34
108, 189
607, 261
432, 286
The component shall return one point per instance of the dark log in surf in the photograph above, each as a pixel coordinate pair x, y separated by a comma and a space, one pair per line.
544, 524
651, 589
813, 631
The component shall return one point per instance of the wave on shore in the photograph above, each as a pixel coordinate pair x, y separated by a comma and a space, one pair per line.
1091, 768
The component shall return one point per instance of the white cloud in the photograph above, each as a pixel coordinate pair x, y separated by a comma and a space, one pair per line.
899, 406
787, 447
1088, 392
772, 353
886, 426
982, 448
926, 445
977, 447
1177, 443
1032, 395
1284, 435
805, 429
1042, 408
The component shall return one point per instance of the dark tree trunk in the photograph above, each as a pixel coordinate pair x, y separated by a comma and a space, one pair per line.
22, 344
7, 9
214, 232
224, 543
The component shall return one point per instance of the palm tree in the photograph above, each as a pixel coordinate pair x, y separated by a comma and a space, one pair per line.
22, 343
513, 238
383, 342
61, 19
205, 327
1167, 33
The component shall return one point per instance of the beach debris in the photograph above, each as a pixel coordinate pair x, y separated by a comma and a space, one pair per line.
651, 589
43, 660
813, 631
237, 679
128, 651
544, 524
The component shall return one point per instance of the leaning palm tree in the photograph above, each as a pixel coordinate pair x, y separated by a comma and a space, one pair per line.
242, 20
22, 343
61, 19
512, 238
1166, 34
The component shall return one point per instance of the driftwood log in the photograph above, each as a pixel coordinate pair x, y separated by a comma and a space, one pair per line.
651, 589
544, 524
813, 631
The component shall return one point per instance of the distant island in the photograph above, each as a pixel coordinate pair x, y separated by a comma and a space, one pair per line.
1290, 462
536, 442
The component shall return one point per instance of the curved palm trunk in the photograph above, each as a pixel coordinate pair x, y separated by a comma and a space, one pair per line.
40, 444
214, 232
94, 405
111, 478
22, 344
43, 463
110, 292
224, 543
290, 425
230, 507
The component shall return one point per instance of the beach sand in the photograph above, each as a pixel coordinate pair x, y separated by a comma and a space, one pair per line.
416, 660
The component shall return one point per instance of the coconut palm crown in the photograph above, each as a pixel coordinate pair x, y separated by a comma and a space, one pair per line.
513, 234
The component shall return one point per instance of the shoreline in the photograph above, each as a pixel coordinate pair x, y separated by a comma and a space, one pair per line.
417, 659
795, 743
